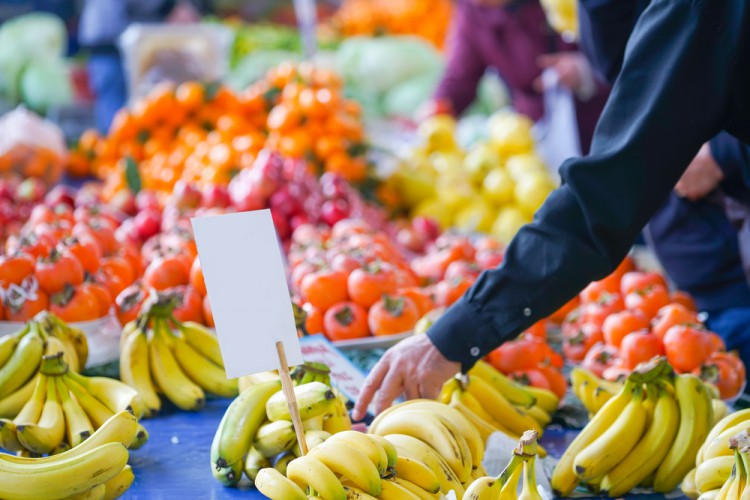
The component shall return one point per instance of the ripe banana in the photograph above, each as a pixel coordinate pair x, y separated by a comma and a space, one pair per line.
483, 488
135, 371
418, 473
513, 391
394, 491
350, 464
338, 420
32, 410
11, 404
97, 411
8, 344
509, 491
367, 444
118, 485
353, 493
78, 427
114, 394
545, 399
23, 363
688, 486
719, 446
65, 476
202, 340
537, 413
141, 436
313, 399
529, 490
434, 430
239, 425
390, 451
168, 375
254, 462
276, 486
229, 475
282, 461
564, 479
721, 410
499, 408
312, 439
645, 458
713, 473
209, 376
9, 436
72, 335
310, 472
696, 415
54, 345
45, 435
273, 438
414, 489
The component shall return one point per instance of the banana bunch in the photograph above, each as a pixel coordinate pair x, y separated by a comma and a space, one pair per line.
21, 354
505, 486
593, 391
734, 468
182, 361
95, 469
256, 431
648, 434
562, 16
65, 409
715, 459
311, 371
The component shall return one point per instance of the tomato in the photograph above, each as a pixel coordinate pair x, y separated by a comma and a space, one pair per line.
15, 268
189, 304
686, 347
208, 314
620, 324
533, 377
103, 297
520, 354
684, 299
671, 315
392, 315
422, 298
538, 329
58, 270
344, 321
606, 305
639, 347
555, 378
22, 305
166, 272
367, 286
196, 278
599, 358
616, 372
85, 250
577, 343
75, 304
558, 317
129, 302
448, 292
725, 371
314, 320
325, 288
648, 300
637, 280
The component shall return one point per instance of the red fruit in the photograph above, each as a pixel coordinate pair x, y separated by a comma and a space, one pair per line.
392, 315
577, 344
684, 299
146, 199
687, 348
616, 372
75, 304
189, 304
636, 280
208, 315
314, 320
532, 377
520, 354
620, 324
488, 259
23, 304
15, 268
639, 347
334, 211
346, 321
57, 271
461, 269
196, 278
147, 223
558, 317
648, 300
60, 194
595, 290
538, 329
671, 315
128, 303
599, 358
216, 196
186, 195
555, 379
167, 272
607, 304
448, 292
367, 286
325, 288
726, 372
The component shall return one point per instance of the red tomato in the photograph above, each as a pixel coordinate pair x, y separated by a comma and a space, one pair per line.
576, 344
533, 377
344, 321
129, 302
314, 320
620, 324
325, 288
15, 268
22, 305
637, 280
687, 347
555, 378
196, 278
57, 271
367, 286
599, 358
103, 297
392, 315
648, 300
671, 315
725, 371
166, 272
639, 347
520, 354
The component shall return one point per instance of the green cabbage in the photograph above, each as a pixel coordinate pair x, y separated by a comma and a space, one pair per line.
405, 99
45, 82
35, 34
255, 65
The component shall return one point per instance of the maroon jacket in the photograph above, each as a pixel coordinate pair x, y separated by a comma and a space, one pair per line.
509, 39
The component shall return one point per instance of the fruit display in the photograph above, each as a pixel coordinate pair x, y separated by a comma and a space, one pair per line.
495, 187
429, 20
256, 430
734, 468
648, 434
179, 360
97, 468
506, 484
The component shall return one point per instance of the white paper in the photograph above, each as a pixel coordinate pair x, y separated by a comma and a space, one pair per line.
242, 266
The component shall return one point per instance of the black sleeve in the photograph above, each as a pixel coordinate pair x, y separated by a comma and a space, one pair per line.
733, 156
671, 96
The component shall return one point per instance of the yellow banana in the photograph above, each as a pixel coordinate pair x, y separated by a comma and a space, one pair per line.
94, 493
350, 464
414, 489
719, 446
483, 488
168, 375
201, 370
114, 394
725, 423
418, 473
537, 413
499, 407
353, 493
202, 340
71, 335
54, 345
476, 414
8, 344
66, 476
564, 480
709, 495
713, 473
721, 410
229, 475
118, 485
529, 490
313, 399
23, 363
276, 486
273, 438
9, 436
696, 415
32, 410
136, 372
141, 437
282, 461
512, 391
312, 439
78, 427
645, 458
545, 399
97, 411
365, 443
338, 420
310, 472
130, 328
49, 432
254, 462
390, 451
509, 491
313, 424
11, 404
688, 486
394, 491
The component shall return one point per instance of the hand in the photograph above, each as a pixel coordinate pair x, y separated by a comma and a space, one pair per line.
184, 13
702, 176
568, 66
413, 367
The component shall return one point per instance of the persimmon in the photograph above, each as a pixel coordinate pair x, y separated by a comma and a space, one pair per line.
314, 319
555, 379
196, 278
166, 272
422, 298
208, 315
15, 268
599, 358
636, 280
346, 321
189, 303
325, 288
128, 303
684, 299
558, 316
606, 305
648, 300
520, 354
57, 271
576, 343
23, 304
75, 304
392, 315
531, 376
538, 329
671, 315
620, 324
725, 371
85, 250
367, 286
639, 347
102, 295
686, 347
448, 292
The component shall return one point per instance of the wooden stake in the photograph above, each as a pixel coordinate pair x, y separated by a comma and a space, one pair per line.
291, 400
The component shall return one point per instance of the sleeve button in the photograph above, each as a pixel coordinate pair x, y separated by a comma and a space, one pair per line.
526, 311
474, 351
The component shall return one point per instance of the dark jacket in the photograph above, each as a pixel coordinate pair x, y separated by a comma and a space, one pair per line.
685, 77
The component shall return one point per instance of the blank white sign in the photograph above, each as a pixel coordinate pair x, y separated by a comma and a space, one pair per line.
244, 272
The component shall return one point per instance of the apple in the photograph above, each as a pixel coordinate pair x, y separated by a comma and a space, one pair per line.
333, 211
31, 190
124, 201
266, 172
60, 194
426, 226
147, 223
8, 188
147, 199
284, 202
216, 196
186, 195
333, 186
244, 194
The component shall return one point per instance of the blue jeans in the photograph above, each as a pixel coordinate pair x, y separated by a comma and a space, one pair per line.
734, 327
107, 78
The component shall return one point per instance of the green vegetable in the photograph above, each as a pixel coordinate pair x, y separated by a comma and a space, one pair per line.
45, 82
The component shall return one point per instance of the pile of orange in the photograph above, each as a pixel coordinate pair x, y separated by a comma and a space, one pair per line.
428, 19
27, 161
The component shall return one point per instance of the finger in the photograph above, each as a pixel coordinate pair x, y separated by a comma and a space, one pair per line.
547, 60
393, 387
429, 390
371, 385
411, 389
